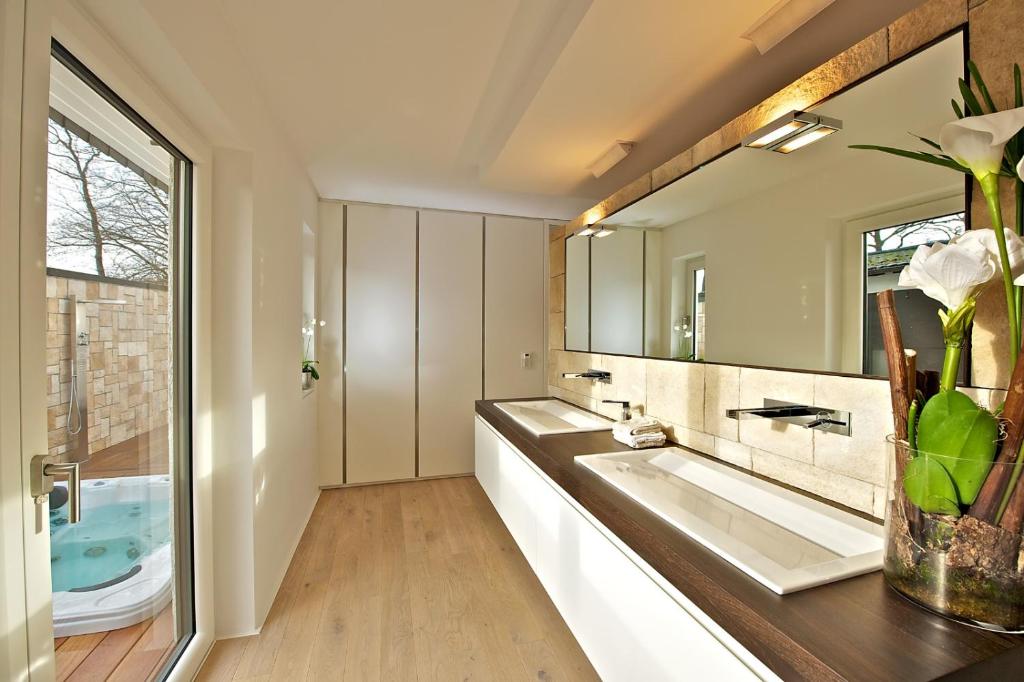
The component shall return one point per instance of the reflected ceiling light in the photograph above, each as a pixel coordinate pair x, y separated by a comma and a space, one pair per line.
605, 231
618, 152
791, 132
781, 20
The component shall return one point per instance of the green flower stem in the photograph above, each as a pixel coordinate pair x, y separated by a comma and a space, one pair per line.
990, 187
950, 367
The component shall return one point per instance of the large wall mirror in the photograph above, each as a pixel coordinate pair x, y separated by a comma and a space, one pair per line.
774, 259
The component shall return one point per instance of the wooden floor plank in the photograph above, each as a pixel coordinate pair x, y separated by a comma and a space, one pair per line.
109, 653
411, 581
221, 664
74, 651
149, 652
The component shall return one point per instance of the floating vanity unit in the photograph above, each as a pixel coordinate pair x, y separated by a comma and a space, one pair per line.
667, 564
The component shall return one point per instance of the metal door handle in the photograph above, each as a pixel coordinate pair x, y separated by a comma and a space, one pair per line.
44, 469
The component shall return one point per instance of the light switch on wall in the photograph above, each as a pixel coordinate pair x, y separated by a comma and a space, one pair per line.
525, 360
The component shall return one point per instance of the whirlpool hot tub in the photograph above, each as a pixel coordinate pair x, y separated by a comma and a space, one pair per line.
113, 568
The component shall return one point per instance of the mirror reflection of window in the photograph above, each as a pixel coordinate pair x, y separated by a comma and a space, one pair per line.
887, 251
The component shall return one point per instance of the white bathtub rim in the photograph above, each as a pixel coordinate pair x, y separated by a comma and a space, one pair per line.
147, 592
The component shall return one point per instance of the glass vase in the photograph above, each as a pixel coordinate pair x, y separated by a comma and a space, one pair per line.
960, 567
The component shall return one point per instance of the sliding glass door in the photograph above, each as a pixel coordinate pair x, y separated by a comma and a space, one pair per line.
118, 407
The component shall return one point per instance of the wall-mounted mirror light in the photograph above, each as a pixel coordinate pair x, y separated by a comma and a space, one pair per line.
595, 230
791, 132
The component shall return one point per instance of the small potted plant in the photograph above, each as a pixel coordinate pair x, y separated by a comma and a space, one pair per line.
310, 374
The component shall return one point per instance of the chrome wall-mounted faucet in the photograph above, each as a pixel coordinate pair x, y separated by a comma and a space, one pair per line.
626, 414
595, 374
807, 416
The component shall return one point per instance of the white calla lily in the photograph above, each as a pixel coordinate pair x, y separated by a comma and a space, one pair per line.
948, 273
982, 242
977, 142
1020, 169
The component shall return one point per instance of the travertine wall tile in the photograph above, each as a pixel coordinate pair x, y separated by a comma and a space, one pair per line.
721, 393
788, 440
708, 148
556, 294
733, 452
675, 392
556, 258
556, 331
923, 24
690, 438
849, 491
640, 187
862, 454
676, 167
629, 382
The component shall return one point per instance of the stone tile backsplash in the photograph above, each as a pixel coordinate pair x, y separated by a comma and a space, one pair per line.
691, 399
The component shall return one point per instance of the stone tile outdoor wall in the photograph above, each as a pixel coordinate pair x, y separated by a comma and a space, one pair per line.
691, 398
128, 367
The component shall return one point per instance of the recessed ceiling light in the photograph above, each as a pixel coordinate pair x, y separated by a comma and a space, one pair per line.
616, 153
781, 20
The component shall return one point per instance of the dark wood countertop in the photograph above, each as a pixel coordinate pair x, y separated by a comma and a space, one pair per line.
854, 629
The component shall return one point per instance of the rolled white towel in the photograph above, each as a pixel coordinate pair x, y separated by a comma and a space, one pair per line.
643, 440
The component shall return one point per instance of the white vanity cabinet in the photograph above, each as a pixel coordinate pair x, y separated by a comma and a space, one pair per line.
626, 620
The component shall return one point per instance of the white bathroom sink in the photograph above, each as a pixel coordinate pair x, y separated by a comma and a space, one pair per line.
784, 540
548, 417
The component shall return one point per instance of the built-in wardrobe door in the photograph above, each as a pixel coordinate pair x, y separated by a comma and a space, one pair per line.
515, 313
450, 342
380, 343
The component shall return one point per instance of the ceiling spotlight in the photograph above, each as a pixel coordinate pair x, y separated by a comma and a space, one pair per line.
781, 20
618, 152
791, 132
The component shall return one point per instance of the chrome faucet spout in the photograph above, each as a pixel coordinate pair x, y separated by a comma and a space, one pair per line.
595, 374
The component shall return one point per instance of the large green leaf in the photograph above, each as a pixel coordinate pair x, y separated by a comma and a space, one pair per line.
929, 486
962, 437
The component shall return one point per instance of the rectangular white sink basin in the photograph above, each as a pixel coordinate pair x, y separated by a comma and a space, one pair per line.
548, 417
784, 540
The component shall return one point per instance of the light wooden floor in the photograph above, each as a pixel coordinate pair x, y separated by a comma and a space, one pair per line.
130, 654
408, 581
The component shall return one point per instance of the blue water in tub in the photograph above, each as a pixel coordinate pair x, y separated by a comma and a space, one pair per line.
107, 543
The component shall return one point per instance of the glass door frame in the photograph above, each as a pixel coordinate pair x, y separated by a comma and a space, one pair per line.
180, 286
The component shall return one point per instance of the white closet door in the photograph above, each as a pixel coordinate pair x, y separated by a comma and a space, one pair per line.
514, 307
380, 344
451, 350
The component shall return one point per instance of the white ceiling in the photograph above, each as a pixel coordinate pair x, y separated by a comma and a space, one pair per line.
500, 105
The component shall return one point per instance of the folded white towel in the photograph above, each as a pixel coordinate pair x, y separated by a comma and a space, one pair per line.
643, 440
638, 425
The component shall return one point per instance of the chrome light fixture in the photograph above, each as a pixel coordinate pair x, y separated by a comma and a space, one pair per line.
791, 132
595, 230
